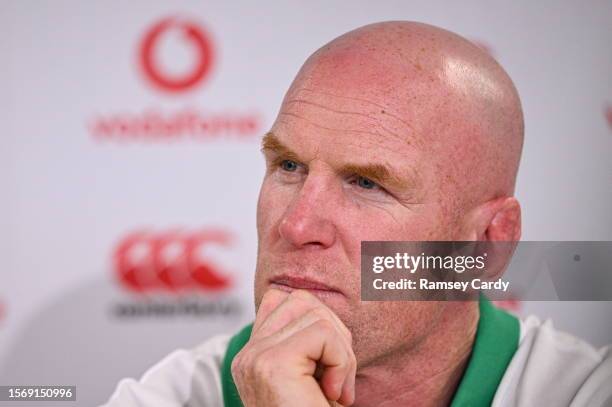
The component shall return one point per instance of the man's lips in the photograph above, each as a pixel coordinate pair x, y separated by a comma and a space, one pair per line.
301, 283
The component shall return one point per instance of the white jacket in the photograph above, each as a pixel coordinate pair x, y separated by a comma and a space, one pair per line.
545, 367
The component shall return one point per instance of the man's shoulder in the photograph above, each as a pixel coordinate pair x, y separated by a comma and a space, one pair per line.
185, 377
213, 348
553, 367
533, 330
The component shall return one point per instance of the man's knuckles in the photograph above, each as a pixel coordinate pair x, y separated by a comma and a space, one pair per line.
266, 365
256, 365
327, 314
325, 327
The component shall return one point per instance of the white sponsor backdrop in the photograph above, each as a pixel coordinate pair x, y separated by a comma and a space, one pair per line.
93, 151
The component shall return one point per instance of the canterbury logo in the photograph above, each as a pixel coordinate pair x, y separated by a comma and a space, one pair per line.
171, 261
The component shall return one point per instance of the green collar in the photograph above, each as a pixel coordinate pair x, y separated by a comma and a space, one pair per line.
230, 393
496, 342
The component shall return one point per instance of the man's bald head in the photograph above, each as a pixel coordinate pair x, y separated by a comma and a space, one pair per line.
436, 90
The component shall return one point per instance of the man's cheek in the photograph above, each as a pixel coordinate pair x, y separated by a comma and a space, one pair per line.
368, 223
271, 206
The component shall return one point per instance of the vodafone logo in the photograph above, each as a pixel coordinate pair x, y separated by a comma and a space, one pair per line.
194, 36
170, 261
176, 55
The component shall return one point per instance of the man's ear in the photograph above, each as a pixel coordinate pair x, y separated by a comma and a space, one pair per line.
496, 220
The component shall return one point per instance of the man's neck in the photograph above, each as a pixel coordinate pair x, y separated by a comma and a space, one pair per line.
426, 375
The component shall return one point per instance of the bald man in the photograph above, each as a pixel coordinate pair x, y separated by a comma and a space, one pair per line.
396, 131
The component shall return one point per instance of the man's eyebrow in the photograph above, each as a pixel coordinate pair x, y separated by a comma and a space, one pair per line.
270, 143
378, 173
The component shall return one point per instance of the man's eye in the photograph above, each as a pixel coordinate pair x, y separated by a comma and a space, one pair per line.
289, 165
366, 183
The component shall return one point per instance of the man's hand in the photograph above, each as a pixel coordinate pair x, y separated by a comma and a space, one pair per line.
299, 354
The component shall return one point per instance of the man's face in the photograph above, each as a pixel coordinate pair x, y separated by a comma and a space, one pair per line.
339, 171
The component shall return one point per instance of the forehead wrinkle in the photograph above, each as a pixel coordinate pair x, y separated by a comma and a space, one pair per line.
324, 127
290, 107
377, 111
375, 119
317, 147
378, 106
322, 106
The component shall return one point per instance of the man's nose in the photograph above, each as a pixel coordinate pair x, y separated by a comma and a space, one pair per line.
308, 219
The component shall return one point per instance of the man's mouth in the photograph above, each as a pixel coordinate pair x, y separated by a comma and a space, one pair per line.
289, 283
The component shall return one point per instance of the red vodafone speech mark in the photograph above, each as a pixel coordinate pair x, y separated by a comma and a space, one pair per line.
193, 33
170, 261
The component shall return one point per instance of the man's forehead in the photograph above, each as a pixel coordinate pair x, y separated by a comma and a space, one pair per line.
343, 115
